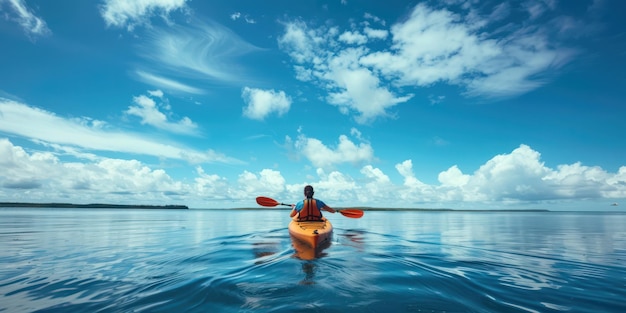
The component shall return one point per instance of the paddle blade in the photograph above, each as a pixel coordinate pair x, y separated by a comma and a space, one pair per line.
351, 213
265, 201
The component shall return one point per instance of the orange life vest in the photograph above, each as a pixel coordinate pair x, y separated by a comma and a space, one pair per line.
309, 211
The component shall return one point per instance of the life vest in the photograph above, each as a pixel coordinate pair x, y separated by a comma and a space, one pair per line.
309, 211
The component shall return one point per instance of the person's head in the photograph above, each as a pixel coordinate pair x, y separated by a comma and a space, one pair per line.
308, 191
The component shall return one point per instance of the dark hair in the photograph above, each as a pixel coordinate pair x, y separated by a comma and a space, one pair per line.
308, 191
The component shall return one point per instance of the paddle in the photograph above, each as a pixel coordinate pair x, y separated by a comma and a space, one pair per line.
265, 201
269, 202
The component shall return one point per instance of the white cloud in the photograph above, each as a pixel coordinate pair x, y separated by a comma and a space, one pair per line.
323, 156
376, 33
430, 46
267, 182
33, 25
199, 50
453, 177
37, 124
350, 86
42, 176
235, 16
149, 111
515, 177
260, 103
129, 14
353, 38
167, 84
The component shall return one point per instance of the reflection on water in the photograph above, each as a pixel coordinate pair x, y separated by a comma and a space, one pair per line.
238, 261
304, 251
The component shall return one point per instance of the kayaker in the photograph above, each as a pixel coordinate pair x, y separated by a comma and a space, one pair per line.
310, 209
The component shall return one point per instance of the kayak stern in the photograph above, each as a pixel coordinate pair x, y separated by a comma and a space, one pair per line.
313, 233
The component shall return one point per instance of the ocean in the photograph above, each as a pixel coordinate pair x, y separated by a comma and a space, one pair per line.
126, 260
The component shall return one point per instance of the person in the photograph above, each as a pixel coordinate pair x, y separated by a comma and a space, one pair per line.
310, 209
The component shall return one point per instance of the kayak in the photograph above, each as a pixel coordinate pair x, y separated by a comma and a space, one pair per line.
314, 234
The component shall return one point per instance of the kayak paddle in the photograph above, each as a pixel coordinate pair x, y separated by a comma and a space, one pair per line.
269, 202
265, 201
351, 213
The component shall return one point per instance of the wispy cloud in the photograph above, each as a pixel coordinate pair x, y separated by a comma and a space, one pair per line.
166, 83
37, 124
260, 103
199, 49
129, 14
33, 25
151, 113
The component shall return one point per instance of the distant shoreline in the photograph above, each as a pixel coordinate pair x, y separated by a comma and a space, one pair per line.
412, 209
89, 206
184, 207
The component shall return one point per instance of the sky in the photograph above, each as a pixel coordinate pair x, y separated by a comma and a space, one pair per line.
398, 104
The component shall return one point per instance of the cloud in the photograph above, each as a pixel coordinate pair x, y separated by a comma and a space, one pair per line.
353, 38
33, 25
430, 46
323, 156
267, 182
42, 176
235, 16
200, 50
469, 56
351, 86
512, 178
376, 33
36, 124
129, 14
149, 111
167, 84
260, 103
521, 176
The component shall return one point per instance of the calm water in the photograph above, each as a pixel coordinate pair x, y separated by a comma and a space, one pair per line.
244, 261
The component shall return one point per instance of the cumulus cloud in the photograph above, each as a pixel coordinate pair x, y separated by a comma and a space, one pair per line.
37, 124
353, 38
515, 177
323, 156
149, 111
521, 176
453, 177
261, 103
43, 176
431, 45
352, 87
32, 25
129, 14
376, 33
266, 182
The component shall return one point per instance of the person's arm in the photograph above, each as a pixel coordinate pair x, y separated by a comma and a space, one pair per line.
293, 211
329, 209
324, 206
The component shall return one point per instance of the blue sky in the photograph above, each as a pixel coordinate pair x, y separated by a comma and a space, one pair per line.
435, 104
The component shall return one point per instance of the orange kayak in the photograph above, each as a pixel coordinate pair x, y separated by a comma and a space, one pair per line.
314, 234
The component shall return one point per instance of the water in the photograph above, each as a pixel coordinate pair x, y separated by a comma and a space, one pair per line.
64, 260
